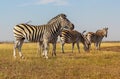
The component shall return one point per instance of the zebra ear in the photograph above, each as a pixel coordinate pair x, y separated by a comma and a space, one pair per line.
83, 31
63, 15
106, 28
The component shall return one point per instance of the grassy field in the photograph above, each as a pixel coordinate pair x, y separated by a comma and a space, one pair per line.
103, 64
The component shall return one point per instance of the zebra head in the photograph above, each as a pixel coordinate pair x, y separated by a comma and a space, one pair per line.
105, 31
64, 22
102, 32
85, 42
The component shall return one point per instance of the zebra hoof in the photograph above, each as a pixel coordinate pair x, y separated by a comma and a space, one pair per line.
54, 55
22, 57
46, 57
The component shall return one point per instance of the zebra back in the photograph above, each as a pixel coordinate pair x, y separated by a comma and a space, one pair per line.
97, 36
70, 36
36, 33
73, 36
29, 32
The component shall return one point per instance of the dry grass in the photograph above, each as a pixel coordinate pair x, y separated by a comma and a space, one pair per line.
103, 64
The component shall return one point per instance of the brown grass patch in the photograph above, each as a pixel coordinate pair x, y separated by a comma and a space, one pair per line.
103, 64
111, 48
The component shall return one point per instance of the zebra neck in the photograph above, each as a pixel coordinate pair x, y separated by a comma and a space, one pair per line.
53, 30
56, 28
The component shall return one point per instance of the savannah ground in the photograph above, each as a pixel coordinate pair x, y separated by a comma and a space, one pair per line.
103, 64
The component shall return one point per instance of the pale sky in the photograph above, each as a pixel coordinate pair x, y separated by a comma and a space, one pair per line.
89, 15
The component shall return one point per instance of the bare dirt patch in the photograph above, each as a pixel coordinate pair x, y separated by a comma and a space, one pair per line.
111, 48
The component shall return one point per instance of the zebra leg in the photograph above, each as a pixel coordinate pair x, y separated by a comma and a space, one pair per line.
42, 51
73, 47
19, 48
96, 45
54, 49
45, 43
14, 49
78, 47
99, 45
62, 46
18, 45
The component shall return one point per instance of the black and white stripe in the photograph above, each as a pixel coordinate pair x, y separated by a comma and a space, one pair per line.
42, 33
73, 36
97, 37
54, 41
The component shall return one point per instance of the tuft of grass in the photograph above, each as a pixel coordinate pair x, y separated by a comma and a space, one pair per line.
102, 64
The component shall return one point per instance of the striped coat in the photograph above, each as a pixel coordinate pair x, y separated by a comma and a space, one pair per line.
97, 37
73, 36
42, 33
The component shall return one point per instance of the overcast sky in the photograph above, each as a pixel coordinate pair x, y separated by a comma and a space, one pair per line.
89, 15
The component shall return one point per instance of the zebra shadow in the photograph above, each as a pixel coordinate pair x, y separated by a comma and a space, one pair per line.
111, 48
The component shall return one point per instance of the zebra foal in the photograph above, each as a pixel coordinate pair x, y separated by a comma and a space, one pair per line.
97, 37
73, 36
41, 33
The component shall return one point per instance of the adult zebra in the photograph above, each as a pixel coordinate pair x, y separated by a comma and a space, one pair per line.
97, 37
73, 36
42, 33
53, 42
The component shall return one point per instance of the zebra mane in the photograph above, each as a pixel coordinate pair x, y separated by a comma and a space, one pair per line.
102, 29
55, 18
84, 39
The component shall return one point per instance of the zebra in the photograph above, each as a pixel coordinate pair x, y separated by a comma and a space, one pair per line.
41, 33
73, 36
97, 37
53, 42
